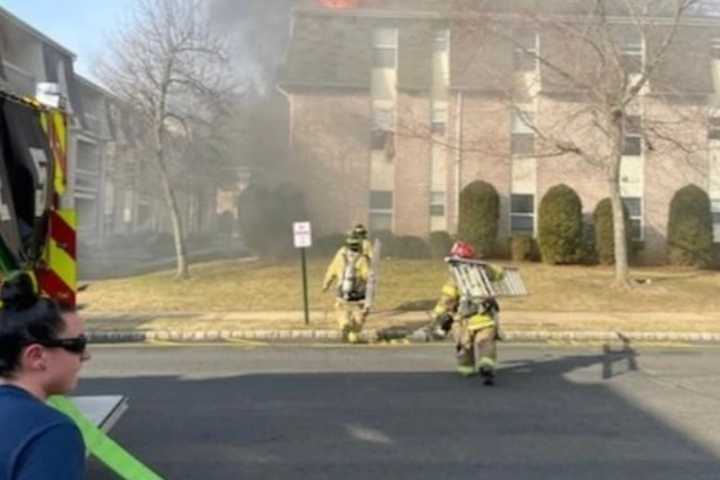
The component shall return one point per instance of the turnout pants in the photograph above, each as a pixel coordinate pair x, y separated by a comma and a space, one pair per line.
475, 347
350, 317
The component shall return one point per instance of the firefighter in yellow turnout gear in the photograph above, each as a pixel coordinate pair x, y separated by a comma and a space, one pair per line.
349, 269
474, 323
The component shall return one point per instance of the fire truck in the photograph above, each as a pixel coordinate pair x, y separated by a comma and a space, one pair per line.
38, 236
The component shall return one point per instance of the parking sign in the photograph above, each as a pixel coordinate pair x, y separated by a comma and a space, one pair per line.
302, 235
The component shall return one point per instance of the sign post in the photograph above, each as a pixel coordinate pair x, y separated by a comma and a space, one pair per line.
302, 239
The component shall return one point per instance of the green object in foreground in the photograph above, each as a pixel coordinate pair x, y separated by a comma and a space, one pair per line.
102, 446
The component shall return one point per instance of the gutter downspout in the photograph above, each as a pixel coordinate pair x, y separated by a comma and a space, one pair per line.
459, 155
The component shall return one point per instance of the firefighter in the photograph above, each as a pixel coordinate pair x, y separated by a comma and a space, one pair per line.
349, 269
361, 232
473, 322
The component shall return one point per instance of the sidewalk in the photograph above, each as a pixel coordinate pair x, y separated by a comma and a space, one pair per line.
286, 326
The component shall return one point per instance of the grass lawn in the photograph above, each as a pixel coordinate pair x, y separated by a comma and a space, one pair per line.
404, 285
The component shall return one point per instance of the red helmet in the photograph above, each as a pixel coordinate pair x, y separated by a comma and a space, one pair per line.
462, 250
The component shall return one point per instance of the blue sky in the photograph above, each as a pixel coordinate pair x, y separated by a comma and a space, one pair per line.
81, 26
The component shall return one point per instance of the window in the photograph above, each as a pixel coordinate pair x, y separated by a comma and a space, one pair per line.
383, 123
437, 204
632, 53
525, 52
633, 136
384, 57
522, 141
715, 208
441, 41
439, 117
385, 48
522, 214
715, 49
381, 205
714, 128
633, 205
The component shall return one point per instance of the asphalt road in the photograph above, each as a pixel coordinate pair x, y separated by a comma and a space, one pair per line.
302, 412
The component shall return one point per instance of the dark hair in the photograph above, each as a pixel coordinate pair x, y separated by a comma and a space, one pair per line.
24, 318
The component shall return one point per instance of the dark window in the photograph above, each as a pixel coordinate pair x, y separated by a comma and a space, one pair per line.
384, 57
716, 218
525, 52
522, 204
522, 144
714, 129
381, 200
380, 221
379, 139
633, 206
636, 229
633, 146
633, 125
522, 224
437, 210
632, 62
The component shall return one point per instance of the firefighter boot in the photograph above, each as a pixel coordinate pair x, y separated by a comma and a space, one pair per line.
465, 361
486, 369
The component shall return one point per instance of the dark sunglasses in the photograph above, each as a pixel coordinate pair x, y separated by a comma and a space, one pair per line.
76, 345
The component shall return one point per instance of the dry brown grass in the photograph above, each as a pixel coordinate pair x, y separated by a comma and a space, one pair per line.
404, 285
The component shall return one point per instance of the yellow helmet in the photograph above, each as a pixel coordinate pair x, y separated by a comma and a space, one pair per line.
450, 290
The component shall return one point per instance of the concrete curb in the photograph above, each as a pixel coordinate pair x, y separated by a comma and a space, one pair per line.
373, 336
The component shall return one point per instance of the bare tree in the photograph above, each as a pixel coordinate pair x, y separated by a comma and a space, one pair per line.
595, 62
171, 69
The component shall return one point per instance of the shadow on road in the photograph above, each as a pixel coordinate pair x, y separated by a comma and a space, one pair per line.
536, 423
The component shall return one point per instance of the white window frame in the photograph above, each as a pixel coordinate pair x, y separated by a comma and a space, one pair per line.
442, 202
530, 215
637, 135
520, 127
715, 210
380, 44
634, 48
439, 117
382, 211
522, 51
639, 217
715, 48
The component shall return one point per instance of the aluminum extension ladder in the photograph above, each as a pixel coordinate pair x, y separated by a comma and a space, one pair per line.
473, 280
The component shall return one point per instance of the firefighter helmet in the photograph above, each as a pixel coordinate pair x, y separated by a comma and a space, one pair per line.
360, 231
462, 250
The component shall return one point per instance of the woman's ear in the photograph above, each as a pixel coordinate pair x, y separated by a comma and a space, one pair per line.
33, 358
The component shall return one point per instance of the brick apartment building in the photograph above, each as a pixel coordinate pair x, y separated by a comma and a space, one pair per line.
394, 108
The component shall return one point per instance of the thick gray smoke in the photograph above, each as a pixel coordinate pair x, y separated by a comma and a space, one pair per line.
258, 32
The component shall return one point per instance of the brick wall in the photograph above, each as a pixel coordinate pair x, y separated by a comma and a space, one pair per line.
331, 157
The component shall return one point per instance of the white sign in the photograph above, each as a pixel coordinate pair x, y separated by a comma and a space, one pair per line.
302, 235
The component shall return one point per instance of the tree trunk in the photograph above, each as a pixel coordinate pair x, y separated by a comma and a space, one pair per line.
182, 271
621, 257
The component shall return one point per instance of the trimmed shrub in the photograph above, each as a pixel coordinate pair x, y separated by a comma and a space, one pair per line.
161, 244
587, 254
605, 232
440, 244
266, 216
409, 246
225, 222
327, 245
690, 234
523, 248
479, 214
388, 241
560, 226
